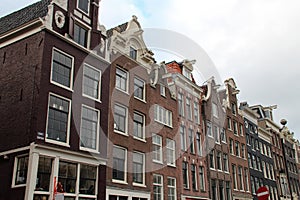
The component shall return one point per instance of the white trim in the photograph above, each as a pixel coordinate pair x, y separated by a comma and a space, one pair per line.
126, 120
161, 185
88, 30
125, 166
140, 184
3, 153
89, 5
118, 67
174, 187
144, 89
143, 139
13, 183
99, 82
160, 161
71, 73
97, 132
128, 193
68, 125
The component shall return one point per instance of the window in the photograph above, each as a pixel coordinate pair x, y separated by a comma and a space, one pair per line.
191, 141
196, 112
162, 90
171, 188
84, 5
91, 82
215, 110
44, 174
216, 134
202, 179
157, 148
254, 161
209, 131
80, 35
170, 152
241, 130
234, 177
182, 138
163, 116
246, 180
119, 163
240, 174
228, 190
122, 80
258, 163
133, 53
189, 108
89, 128
231, 146
229, 123
194, 177
252, 185
221, 189
138, 126
243, 150
185, 175
198, 141
235, 128
158, 187
139, 88
88, 177
233, 108
120, 119
62, 69
250, 160
187, 73
237, 148
212, 159
67, 175
225, 160
223, 135
21, 166
219, 160
58, 119
180, 104
214, 195
138, 168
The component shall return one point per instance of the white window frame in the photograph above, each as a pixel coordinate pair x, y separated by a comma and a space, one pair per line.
215, 110
99, 83
229, 123
226, 162
220, 159
199, 144
187, 73
159, 145
126, 120
162, 90
181, 105
88, 32
242, 178
16, 161
234, 171
125, 167
183, 146
68, 125
201, 176
126, 81
171, 146
196, 112
97, 133
189, 108
143, 133
159, 185
77, 6
144, 89
71, 73
196, 178
213, 159
143, 168
163, 116
209, 127
172, 186
187, 176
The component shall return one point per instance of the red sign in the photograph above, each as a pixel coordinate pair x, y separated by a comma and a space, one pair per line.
262, 193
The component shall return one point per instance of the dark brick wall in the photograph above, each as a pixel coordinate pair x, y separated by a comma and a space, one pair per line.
20, 73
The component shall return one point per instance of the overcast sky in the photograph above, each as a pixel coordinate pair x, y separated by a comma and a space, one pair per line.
256, 42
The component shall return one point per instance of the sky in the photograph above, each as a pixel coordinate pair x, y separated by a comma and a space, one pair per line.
256, 42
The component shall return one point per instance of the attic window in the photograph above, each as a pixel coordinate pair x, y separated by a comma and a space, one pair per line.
84, 5
133, 53
187, 73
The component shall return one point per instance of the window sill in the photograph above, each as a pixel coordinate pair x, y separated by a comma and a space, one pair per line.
62, 86
139, 139
57, 142
139, 185
121, 133
170, 165
119, 182
125, 92
89, 150
158, 162
142, 100
92, 98
18, 186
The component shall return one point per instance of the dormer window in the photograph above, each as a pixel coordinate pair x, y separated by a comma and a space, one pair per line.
187, 73
84, 6
133, 53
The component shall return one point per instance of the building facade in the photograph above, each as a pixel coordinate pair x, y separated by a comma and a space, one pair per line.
191, 159
53, 102
236, 137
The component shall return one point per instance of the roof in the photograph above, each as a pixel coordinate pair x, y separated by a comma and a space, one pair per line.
121, 28
23, 16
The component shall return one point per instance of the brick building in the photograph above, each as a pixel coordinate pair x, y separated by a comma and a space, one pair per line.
142, 121
236, 138
259, 143
191, 160
54, 102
